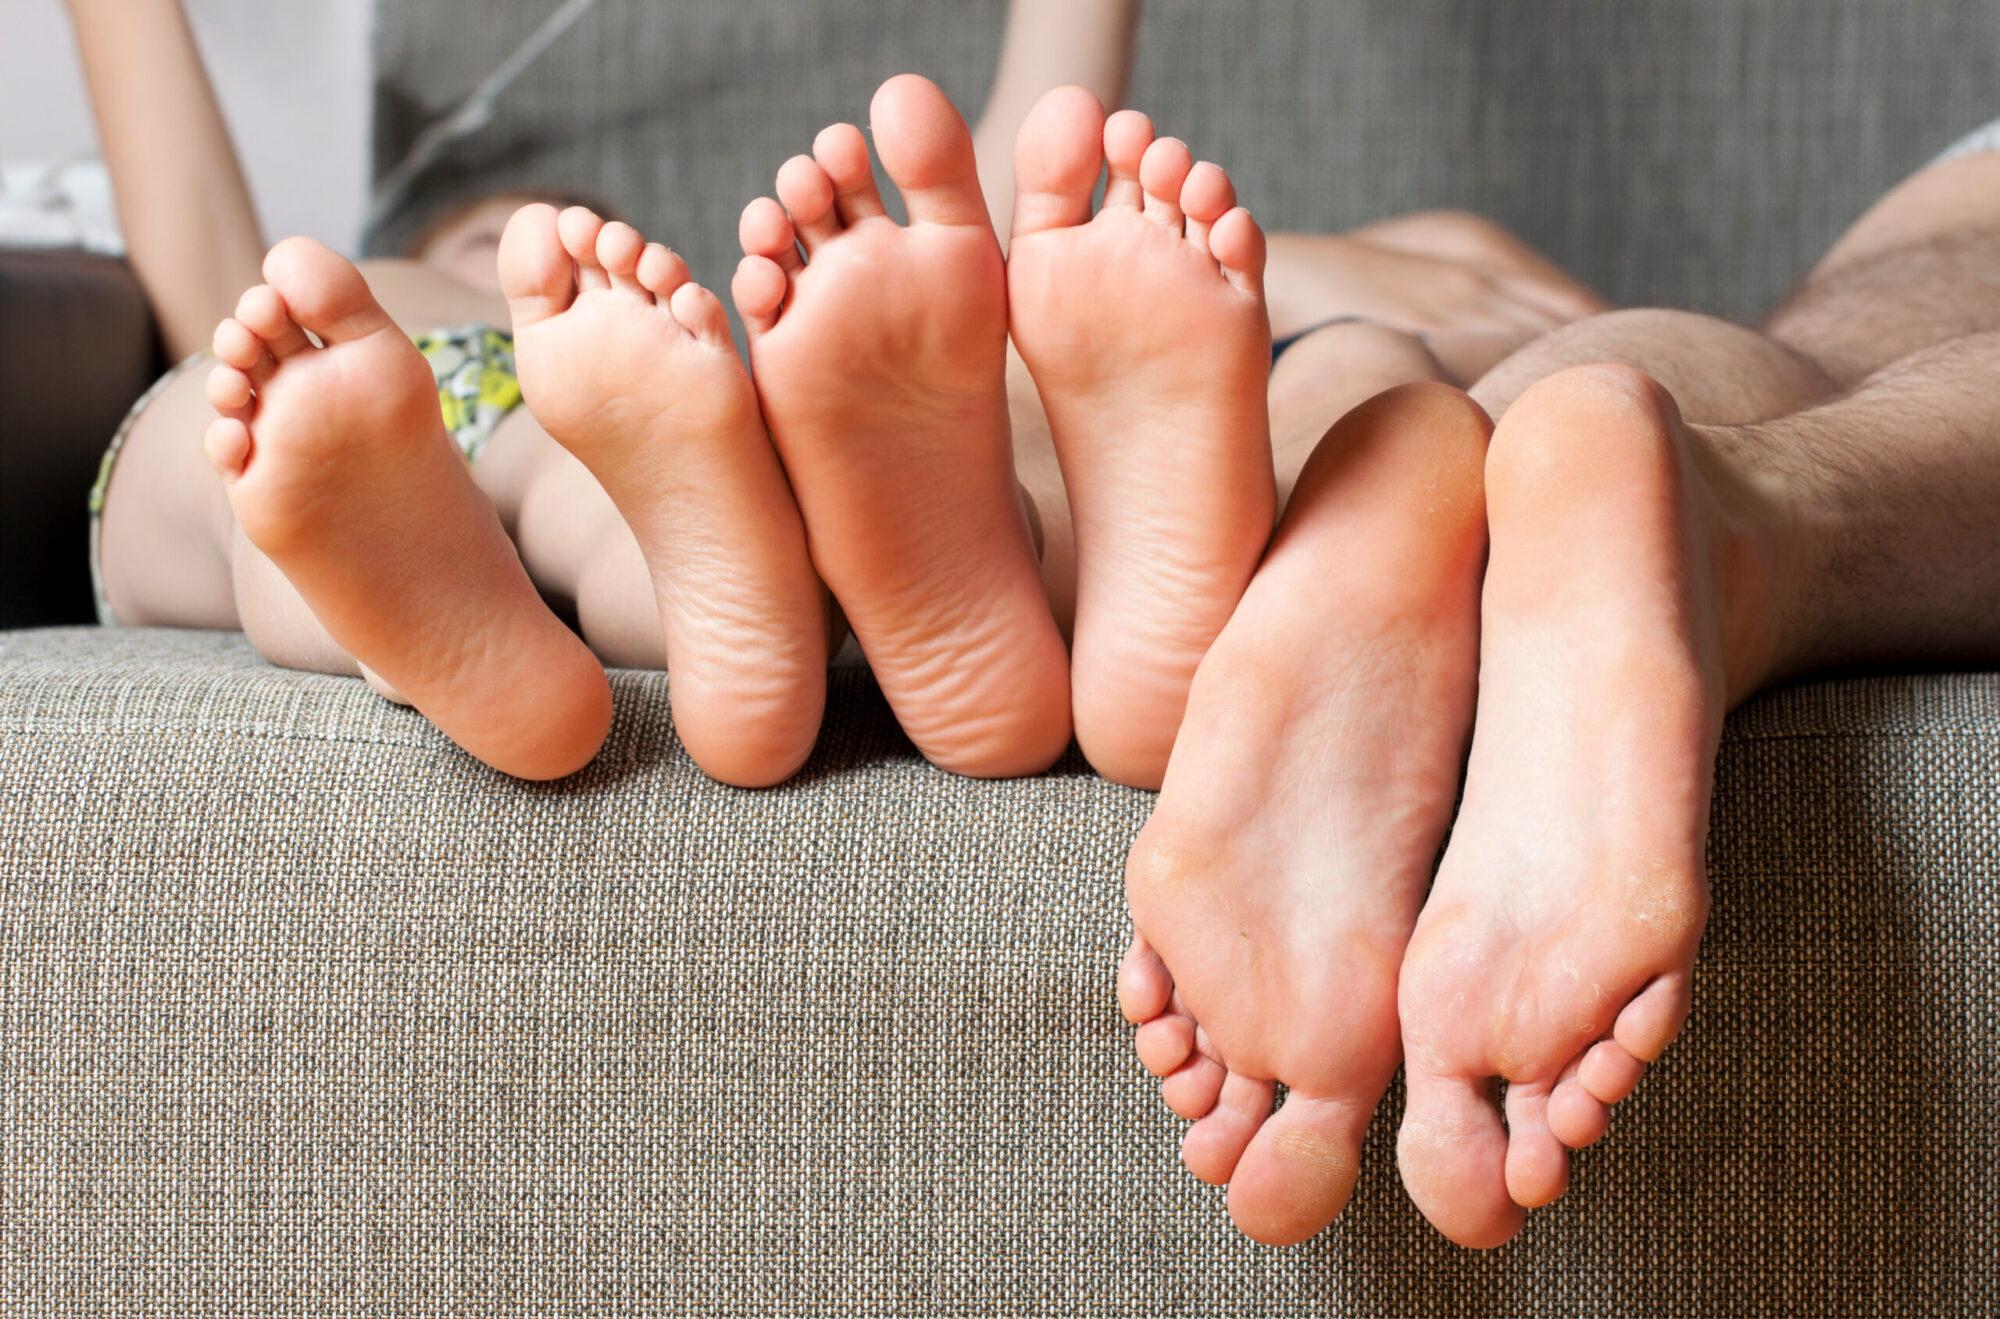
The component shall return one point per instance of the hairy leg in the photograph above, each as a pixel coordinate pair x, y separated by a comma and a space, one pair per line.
1920, 267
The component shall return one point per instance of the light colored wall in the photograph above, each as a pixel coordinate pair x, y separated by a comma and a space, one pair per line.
293, 79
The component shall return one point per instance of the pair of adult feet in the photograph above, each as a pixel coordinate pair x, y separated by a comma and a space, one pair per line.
868, 448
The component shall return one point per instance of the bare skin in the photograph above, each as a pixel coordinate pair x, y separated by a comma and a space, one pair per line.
629, 365
339, 469
1275, 881
880, 360
1144, 328
1710, 512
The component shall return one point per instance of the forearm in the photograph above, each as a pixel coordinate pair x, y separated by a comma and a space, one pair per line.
189, 223
1049, 43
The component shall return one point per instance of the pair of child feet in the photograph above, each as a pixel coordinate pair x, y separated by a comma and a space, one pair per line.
1279, 891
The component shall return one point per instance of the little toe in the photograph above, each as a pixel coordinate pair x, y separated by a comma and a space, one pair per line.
1300, 1169
843, 153
1577, 1117
1237, 243
579, 227
1206, 196
229, 391
1144, 983
1608, 1072
262, 312
1649, 1023
759, 291
1057, 158
1192, 1089
1164, 1043
700, 314
766, 230
806, 193
927, 150
661, 270
1215, 1144
1163, 170
1537, 1161
619, 247
1452, 1152
537, 275
1127, 134
234, 345
227, 444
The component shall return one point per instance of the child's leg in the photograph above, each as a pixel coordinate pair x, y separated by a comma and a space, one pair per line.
629, 365
338, 467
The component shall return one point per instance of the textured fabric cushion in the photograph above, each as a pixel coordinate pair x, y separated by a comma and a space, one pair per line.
1690, 153
308, 1014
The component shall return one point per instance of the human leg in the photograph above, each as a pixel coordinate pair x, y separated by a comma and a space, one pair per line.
1653, 564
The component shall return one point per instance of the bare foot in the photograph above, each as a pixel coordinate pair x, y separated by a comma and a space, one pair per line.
880, 359
1277, 882
629, 365
1145, 331
338, 467
1556, 951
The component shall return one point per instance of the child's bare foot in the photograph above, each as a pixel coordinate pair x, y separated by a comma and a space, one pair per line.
1277, 883
338, 467
880, 359
1145, 330
1556, 951
629, 365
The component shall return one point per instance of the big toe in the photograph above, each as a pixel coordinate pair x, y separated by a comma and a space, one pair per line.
323, 290
927, 149
1452, 1152
1299, 1170
1057, 158
536, 274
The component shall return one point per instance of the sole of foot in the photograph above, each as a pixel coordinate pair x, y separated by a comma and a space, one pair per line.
629, 365
1277, 882
1554, 959
338, 467
1144, 327
880, 359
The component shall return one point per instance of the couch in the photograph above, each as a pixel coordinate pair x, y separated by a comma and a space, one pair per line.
307, 1013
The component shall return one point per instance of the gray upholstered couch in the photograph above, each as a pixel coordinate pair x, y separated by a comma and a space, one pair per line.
307, 1014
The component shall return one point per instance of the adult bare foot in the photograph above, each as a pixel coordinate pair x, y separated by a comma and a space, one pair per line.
1556, 951
880, 359
1277, 882
339, 469
629, 365
1145, 331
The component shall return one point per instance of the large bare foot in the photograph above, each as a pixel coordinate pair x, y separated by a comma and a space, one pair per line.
1277, 882
1145, 331
339, 469
1556, 951
880, 358
629, 365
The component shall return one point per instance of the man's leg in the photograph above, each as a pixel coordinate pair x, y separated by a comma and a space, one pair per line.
1668, 536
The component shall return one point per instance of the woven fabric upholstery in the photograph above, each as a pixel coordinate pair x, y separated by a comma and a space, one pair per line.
1687, 153
305, 1013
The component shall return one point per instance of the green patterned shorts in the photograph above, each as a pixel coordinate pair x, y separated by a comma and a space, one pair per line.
474, 369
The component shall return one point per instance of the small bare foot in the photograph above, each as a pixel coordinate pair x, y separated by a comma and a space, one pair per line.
1145, 331
1277, 882
337, 464
629, 365
880, 358
1556, 951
